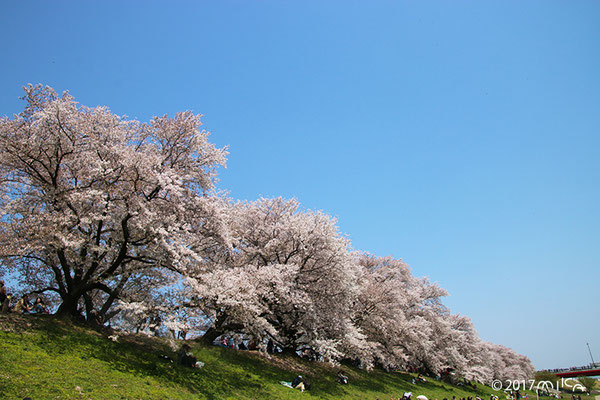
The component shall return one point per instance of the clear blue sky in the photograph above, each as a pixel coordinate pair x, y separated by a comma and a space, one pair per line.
462, 137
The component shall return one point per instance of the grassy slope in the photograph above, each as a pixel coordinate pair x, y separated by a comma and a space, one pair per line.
44, 358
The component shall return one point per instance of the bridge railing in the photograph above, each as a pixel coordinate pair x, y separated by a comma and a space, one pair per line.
590, 366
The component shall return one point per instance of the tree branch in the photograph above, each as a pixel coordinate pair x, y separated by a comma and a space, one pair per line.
122, 251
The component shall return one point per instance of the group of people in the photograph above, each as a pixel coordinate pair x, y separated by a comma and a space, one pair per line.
236, 342
22, 306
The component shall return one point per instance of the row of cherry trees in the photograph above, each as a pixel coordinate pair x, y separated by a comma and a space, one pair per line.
121, 221
293, 278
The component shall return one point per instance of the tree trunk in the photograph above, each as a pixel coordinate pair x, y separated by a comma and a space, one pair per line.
68, 309
289, 351
210, 335
219, 328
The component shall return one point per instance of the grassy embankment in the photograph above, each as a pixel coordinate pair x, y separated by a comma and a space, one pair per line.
44, 358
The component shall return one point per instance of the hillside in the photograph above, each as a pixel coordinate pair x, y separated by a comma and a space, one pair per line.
45, 358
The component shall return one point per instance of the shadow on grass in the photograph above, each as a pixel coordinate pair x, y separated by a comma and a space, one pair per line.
227, 373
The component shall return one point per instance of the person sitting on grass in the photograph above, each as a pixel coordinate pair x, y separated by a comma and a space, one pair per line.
306, 382
39, 306
23, 306
298, 383
185, 356
252, 345
342, 378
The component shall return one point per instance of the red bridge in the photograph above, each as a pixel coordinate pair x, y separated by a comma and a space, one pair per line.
590, 370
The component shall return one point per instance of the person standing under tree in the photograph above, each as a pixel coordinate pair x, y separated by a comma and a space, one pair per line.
6, 305
3, 296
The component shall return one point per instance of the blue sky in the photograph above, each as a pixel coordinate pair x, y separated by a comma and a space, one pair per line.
462, 137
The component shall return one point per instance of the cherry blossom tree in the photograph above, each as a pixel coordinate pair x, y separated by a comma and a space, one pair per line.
290, 277
504, 363
117, 216
391, 310
405, 325
92, 202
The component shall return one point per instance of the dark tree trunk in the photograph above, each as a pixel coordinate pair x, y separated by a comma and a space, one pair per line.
289, 351
219, 327
69, 308
210, 335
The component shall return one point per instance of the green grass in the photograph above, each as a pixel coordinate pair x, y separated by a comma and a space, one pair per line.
45, 358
